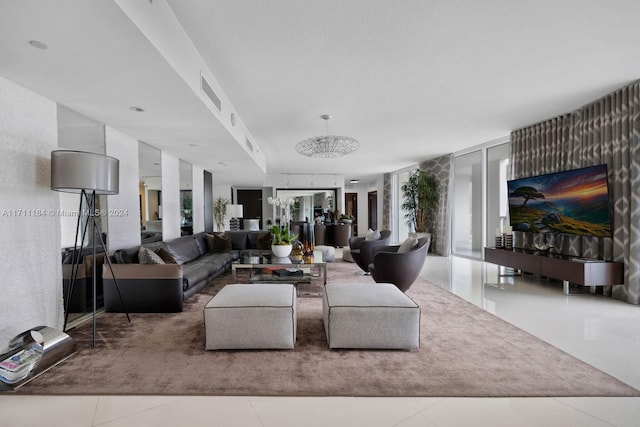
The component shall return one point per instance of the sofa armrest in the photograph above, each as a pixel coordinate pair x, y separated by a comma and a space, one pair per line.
145, 288
143, 271
392, 249
355, 242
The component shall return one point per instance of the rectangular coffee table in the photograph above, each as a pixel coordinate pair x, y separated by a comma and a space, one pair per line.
261, 269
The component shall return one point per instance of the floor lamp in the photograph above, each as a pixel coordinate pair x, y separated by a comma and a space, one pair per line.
88, 174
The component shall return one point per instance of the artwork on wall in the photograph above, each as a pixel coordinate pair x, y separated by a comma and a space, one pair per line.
571, 202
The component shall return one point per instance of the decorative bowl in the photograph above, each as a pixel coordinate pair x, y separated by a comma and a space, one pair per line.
281, 251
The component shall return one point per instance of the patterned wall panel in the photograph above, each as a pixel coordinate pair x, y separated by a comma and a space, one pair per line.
386, 202
604, 131
440, 168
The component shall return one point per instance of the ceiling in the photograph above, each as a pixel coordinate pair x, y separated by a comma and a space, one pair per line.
410, 80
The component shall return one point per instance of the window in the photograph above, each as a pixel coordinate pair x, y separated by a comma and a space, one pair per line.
497, 200
467, 205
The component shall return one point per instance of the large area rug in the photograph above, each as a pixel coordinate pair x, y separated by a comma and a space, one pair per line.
464, 351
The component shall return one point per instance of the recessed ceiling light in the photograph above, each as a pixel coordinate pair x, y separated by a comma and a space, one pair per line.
38, 44
193, 145
136, 109
354, 181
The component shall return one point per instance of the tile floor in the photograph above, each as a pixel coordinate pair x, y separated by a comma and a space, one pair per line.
596, 329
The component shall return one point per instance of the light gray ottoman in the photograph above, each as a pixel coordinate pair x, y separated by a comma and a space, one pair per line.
346, 255
374, 316
251, 316
328, 253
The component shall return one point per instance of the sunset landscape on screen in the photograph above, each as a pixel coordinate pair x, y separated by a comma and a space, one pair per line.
574, 202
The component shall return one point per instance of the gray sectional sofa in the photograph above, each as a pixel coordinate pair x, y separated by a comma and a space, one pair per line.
189, 264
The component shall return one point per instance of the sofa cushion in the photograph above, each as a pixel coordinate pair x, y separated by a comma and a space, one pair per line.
238, 240
123, 256
218, 242
408, 245
216, 262
264, 241
166, 256
201, 241
184, 249
194, 273
226, 257
372, 235
252, 240
258, 240
210, 238
147, 256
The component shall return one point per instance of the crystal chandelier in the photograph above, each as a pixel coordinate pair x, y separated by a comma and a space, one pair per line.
327, 146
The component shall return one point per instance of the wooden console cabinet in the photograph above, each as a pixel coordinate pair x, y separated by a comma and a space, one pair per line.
571, 270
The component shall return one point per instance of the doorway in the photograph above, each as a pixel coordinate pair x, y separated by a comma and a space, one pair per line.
251, 201
372, 209
351, 208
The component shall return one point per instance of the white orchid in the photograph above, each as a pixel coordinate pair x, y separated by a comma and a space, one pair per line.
283, 204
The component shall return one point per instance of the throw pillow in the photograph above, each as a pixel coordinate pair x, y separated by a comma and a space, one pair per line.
408, 245
372, 235
238, 239
124, 257
210, 241
147, 256
219, 242
264, 241
166, 256
201, 241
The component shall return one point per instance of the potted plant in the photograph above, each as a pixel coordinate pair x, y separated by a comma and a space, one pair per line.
282, 241
420, 197
346, 219
220, 211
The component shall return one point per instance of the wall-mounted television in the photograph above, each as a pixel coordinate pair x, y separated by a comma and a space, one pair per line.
573, 202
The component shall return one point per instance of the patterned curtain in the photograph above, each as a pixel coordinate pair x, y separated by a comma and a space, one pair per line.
541, 148
386, 202
604, 131
441, 169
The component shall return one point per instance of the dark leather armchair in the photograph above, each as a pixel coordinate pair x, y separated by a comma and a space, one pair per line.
338, 235
320, 233
362, 249
401, 269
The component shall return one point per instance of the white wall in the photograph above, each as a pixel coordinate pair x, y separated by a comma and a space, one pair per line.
30, 260
158, 23
170, 196
198, 198
76, 132
123, 209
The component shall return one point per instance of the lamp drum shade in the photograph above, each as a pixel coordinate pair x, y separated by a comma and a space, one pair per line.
234, 211
74, 171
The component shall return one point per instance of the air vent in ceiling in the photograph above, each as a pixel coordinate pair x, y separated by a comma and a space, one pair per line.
206, 88
249, 144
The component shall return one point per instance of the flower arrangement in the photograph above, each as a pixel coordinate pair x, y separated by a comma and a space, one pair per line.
282, 235
284, 205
